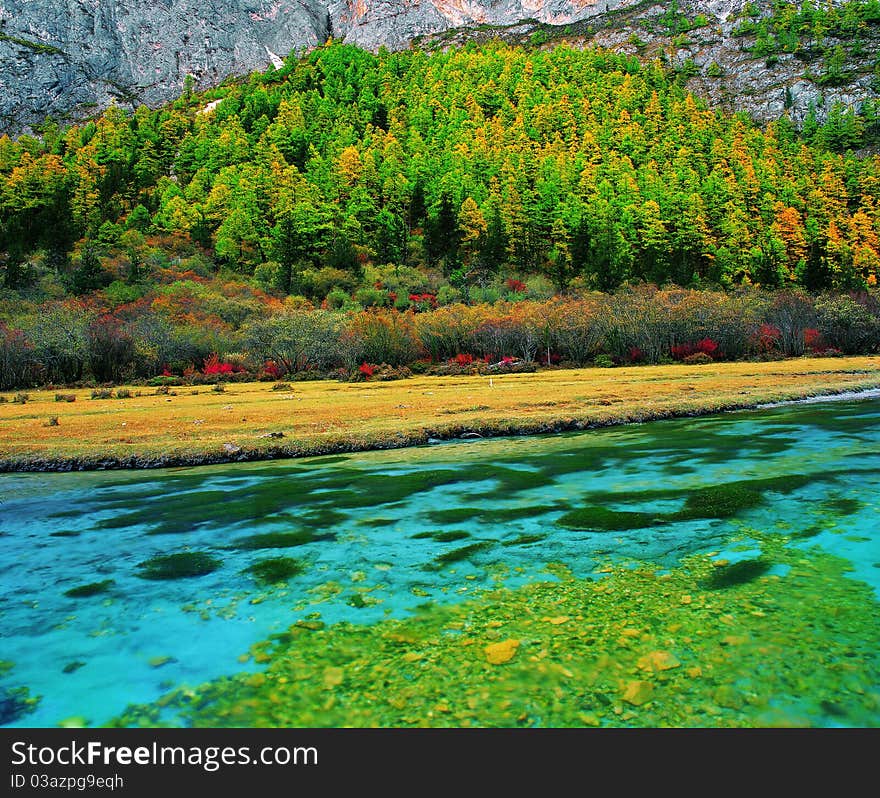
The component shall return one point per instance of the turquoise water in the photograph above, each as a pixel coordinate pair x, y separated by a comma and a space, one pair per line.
378, 535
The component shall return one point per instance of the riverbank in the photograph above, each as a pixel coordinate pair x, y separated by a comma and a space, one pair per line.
251, 421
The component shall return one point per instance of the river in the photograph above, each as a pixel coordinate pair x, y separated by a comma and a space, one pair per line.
93, 619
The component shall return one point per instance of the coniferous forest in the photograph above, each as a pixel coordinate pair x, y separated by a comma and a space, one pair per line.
347, 183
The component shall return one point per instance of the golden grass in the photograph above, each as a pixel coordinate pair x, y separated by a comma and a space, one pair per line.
315, 417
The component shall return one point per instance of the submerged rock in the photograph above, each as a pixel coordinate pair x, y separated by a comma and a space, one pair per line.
499, 653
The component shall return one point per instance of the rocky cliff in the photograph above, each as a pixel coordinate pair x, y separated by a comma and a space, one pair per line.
68, 58
59, 57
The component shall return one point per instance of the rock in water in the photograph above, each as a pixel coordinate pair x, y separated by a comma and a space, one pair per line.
499, 653
637, 692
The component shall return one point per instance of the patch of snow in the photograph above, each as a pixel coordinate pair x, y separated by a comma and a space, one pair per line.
211, 106
276, 60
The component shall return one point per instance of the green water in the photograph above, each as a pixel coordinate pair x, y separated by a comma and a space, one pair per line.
722, 571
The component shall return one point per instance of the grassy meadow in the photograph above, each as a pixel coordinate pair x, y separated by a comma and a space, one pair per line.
251, 420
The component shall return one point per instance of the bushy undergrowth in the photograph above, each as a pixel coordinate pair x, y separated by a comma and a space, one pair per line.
300, 342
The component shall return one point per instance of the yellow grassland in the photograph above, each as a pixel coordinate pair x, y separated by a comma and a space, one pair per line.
200, 425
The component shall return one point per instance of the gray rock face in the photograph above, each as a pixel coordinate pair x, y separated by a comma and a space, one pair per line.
71, 58
58, 56
396, 23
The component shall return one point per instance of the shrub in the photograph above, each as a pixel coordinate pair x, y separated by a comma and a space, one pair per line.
422, 302
578, 329
110, 349
270, 371
102, 393
509, 335
294, 341
386, 373
123, 393
213, 366
446, 295
337, 298
766, 339
282, 386
603, 361
19, 365
21, 398
697, 358
65, 397
163, 382
706, 347
372, 297
379, 336
813, 340
792, 313
448, 330
218, 387
847, 324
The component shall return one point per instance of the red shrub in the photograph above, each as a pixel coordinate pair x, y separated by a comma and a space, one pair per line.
767, 338
462, 359
706, 346
636, 355
367, 369
213, 365
272, 369
424, 301
517, 286
813, 340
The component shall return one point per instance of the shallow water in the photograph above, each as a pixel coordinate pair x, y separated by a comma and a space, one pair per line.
382, 535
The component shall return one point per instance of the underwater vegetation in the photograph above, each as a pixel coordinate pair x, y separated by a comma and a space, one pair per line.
15, 703
738, 573
441, 536
463, 553
278, 540
715, 501
275, 569
91, 589
720, 501
178, 566
639, 647
605, 520
524, 540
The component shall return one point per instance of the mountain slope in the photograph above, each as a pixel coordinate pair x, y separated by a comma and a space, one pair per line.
764, 58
